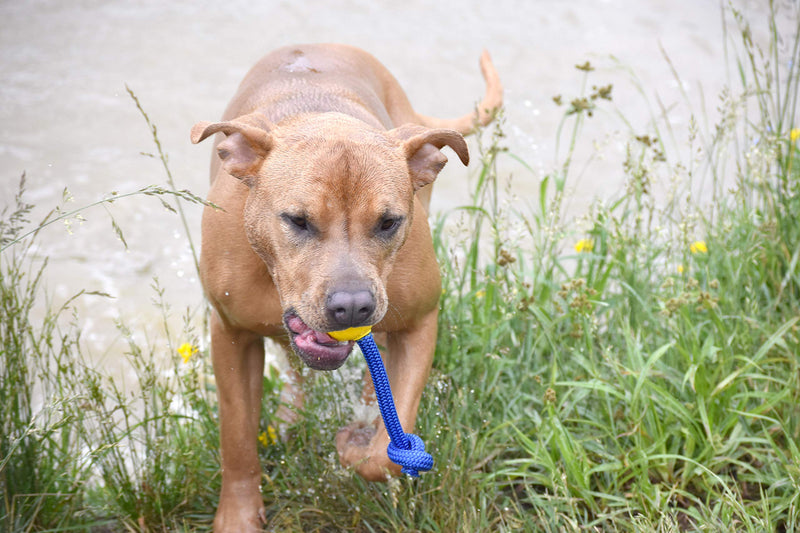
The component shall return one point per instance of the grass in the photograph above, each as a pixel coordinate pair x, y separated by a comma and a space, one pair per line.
648, 382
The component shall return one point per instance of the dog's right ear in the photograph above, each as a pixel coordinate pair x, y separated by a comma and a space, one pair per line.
247, 144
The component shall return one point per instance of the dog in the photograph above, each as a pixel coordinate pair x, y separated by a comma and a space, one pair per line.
321, 185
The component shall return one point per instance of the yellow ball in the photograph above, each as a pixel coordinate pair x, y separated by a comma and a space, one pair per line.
350, 334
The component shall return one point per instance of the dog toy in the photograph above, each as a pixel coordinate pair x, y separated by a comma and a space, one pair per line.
405, 449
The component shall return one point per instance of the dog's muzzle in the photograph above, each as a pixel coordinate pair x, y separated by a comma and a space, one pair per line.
317, 349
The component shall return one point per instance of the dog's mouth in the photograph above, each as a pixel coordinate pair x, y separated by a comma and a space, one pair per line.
317, 349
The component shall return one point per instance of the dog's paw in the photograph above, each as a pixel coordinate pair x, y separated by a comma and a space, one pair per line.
240, 521
239, 513
357, 434
362, 446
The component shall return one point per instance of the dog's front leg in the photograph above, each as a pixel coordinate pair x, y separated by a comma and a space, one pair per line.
238, 359
408, 364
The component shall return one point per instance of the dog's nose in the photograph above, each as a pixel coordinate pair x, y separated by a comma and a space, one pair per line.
350, 308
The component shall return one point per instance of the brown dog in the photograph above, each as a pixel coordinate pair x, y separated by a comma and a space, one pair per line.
321, 230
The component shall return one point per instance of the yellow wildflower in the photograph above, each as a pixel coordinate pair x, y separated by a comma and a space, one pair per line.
698, 247
186, 351
480, 294
794, 134
680, 269
584, 245
268, 437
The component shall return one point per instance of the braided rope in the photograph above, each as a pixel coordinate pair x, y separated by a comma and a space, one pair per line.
405, 449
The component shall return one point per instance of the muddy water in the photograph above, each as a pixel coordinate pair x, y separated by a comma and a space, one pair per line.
68, 122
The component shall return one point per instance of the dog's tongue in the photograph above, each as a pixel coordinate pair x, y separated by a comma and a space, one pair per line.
299, 327
324, 338
296, 324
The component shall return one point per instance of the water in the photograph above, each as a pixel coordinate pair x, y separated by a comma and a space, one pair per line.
69, 122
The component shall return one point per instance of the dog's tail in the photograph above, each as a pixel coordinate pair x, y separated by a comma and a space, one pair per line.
484, 112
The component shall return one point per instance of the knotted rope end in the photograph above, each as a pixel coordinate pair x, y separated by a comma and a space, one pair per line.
413, 459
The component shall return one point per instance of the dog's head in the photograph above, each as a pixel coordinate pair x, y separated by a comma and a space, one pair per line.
331, 203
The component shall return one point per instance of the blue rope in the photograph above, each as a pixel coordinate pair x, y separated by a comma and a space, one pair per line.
405, 449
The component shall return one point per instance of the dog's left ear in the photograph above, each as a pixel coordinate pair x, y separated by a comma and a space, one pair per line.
247, 144
421, 146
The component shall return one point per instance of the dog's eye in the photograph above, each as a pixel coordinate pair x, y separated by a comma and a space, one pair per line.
388, 226
298, 223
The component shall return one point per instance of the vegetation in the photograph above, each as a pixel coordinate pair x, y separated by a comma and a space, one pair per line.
636, 370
